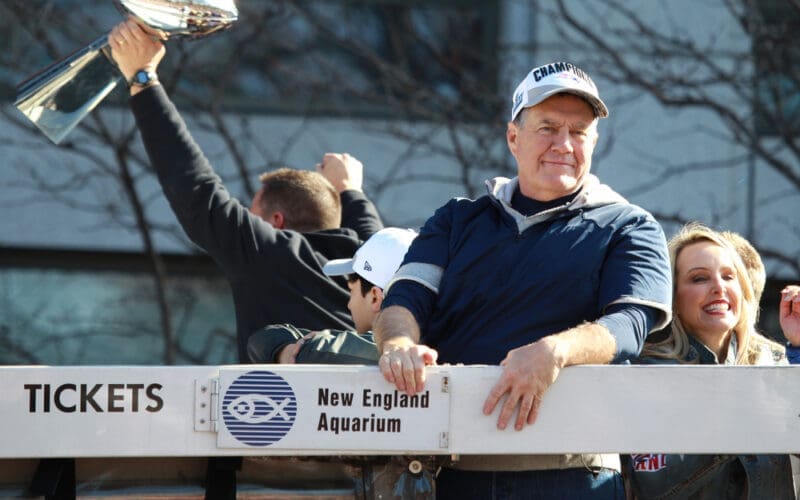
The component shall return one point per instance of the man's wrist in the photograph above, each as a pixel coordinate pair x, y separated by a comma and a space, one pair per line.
348, 187
395, 342
142, 79
395, 327
558, 349
351, 195
280, 358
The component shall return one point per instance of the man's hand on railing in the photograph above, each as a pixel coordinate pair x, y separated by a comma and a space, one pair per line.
527, 373
403, 364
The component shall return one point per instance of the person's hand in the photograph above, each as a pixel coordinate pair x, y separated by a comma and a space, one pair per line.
135, 47
288, 354
790, 314
403, 364
527, 373
342, 170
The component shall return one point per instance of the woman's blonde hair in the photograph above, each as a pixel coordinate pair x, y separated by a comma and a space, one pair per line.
750, 343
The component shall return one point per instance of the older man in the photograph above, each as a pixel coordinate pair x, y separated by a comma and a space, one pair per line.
549, 269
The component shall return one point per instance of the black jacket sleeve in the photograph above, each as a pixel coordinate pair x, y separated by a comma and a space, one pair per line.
211, 217
360, 214
214, 220
333, 347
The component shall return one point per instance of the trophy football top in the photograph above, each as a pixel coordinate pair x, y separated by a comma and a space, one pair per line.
57, 98
188, 18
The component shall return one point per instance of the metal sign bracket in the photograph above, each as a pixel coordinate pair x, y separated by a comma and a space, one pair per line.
206, 400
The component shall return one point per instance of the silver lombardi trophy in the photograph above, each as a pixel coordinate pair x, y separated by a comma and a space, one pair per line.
57, 98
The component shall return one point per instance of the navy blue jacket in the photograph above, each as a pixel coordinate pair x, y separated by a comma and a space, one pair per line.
497, 280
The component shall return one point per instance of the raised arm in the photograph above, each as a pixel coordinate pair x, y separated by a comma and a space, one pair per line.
789, 314
210, 216
346, 173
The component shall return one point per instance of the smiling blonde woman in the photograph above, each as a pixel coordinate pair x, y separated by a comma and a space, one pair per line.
714, 314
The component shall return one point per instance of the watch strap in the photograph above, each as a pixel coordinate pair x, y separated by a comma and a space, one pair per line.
142, 78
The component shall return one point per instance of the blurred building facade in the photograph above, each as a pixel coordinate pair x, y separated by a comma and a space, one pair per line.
420, 92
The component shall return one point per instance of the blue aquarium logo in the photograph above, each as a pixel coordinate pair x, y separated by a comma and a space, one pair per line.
259, 408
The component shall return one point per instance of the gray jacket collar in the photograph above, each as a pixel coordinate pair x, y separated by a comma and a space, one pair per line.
594, 194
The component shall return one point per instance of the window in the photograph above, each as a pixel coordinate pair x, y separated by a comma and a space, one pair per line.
75, 308
777, 58
353, 57
363, 58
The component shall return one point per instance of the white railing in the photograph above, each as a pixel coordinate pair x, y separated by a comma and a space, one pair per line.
252, 410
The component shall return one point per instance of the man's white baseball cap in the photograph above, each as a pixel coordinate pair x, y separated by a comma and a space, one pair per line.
377, 259
556, 78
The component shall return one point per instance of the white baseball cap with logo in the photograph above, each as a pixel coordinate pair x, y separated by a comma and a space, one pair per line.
556, 78
377, 259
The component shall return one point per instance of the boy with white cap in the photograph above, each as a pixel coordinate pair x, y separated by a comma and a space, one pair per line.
369, 273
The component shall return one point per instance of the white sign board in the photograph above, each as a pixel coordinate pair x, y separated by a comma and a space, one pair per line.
639, 409
95, 411
303, 409
201, 411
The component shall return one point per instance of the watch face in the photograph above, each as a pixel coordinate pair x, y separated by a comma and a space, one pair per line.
142, 77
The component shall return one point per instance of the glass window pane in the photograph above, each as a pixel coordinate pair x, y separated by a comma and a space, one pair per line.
108, 317
352, 58
777, 59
